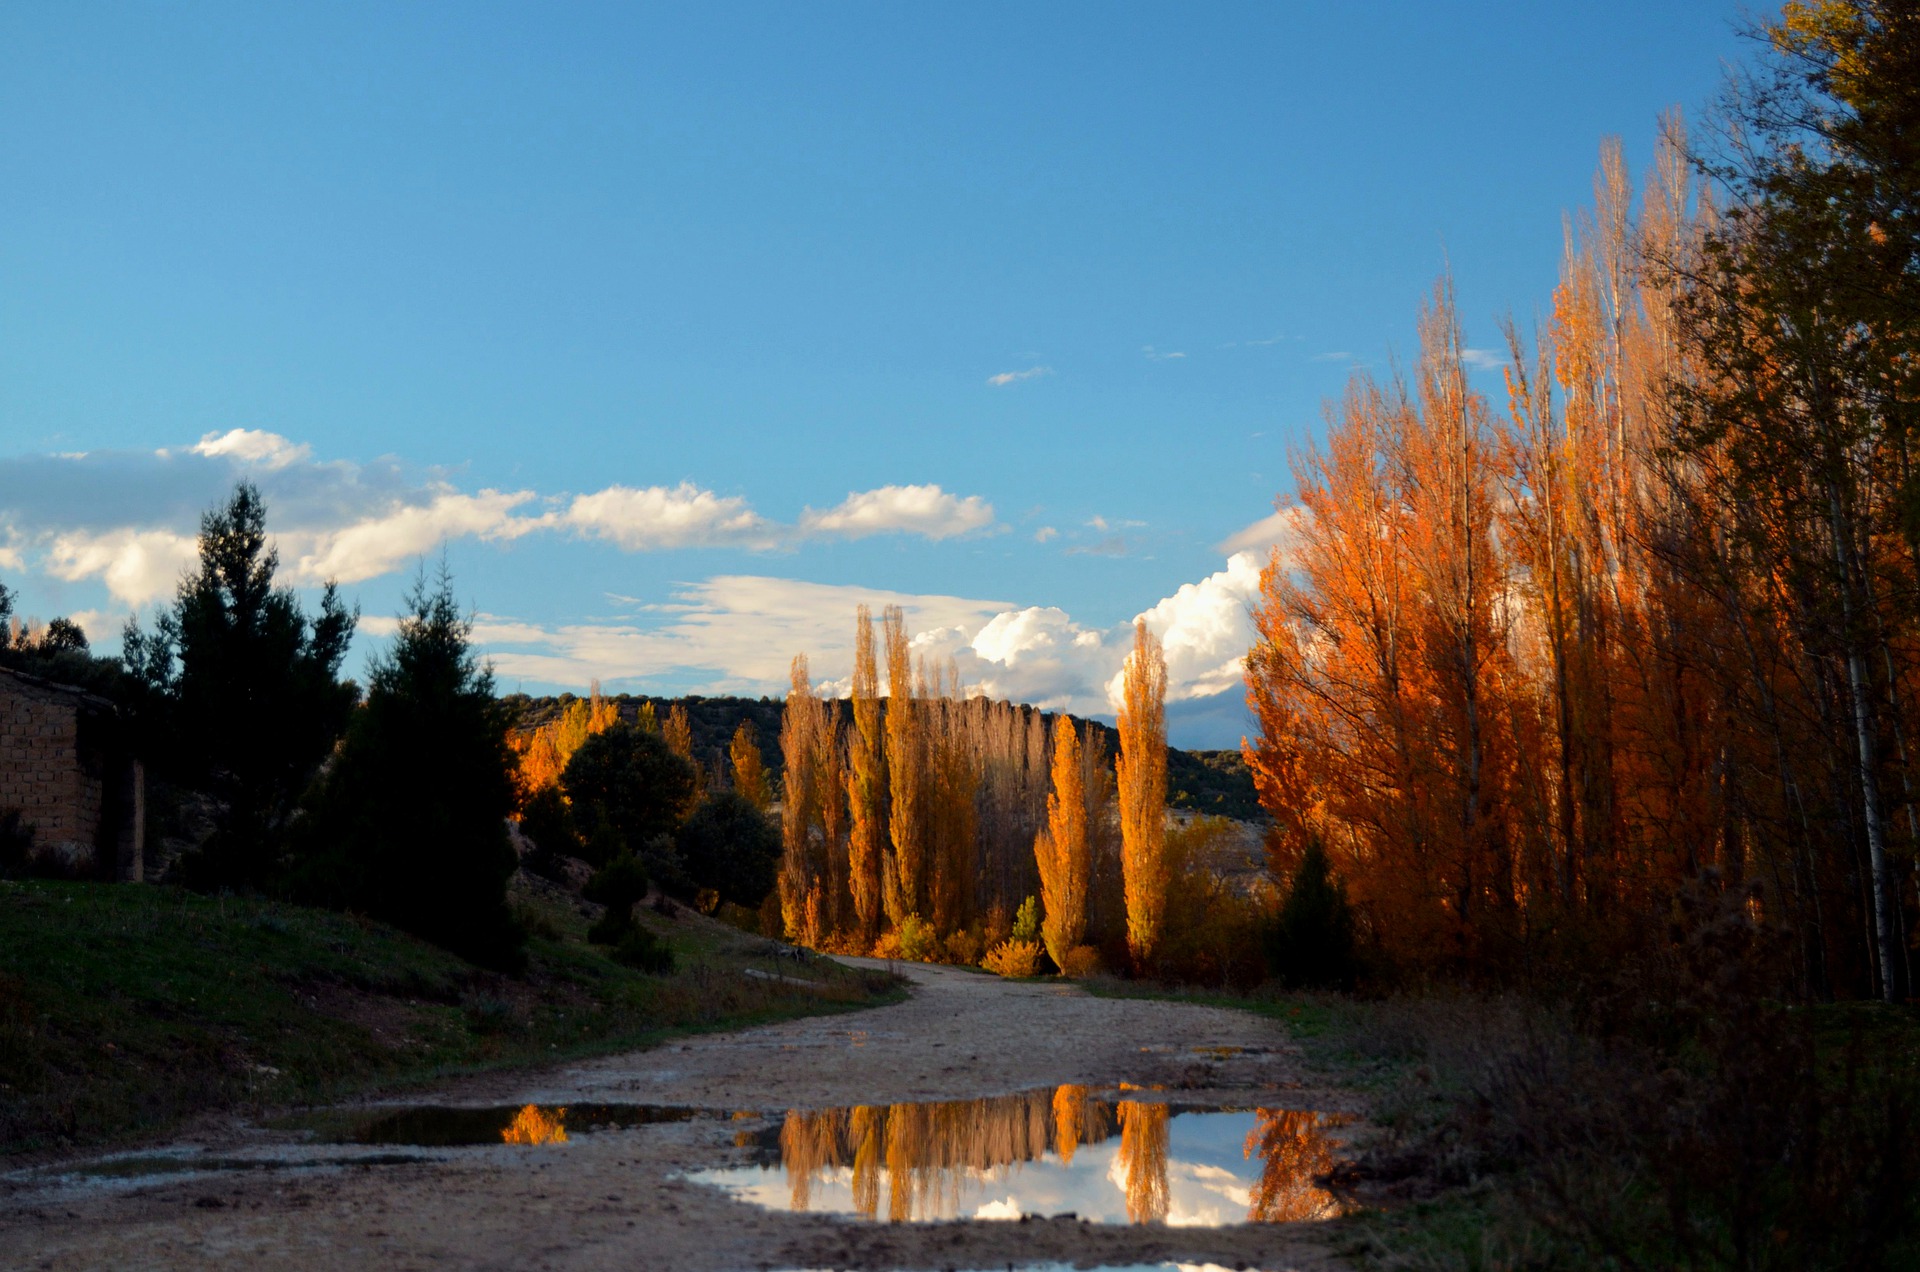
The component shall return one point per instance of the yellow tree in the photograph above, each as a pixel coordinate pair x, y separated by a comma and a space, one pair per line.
749, 767
1142, 777
904, 882
678, 732
866, 783
1061, 849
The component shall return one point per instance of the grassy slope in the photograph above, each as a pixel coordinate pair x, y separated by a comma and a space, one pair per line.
124, 1009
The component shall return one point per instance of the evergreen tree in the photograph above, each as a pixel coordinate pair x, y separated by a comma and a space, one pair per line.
411, 823
238, 692
1311, 942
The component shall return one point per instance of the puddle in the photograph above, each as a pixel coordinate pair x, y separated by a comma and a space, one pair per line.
1049, 1152
447, 1127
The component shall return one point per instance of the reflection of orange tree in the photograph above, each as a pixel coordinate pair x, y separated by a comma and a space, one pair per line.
1143, 1152
929, 1150
1297, 1150
535, 1125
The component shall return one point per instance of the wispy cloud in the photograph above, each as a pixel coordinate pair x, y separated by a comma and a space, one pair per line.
1156, 355
1280, 530
1044, 534
1337, 355
1483, 359
1111, 546
1005, 378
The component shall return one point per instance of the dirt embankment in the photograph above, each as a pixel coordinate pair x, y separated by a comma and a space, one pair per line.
614, 1199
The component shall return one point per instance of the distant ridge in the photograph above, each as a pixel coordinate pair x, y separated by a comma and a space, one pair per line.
1215, 782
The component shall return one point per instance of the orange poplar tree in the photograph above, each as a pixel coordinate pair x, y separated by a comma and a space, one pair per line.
866, 783
1142, 776
1062, 849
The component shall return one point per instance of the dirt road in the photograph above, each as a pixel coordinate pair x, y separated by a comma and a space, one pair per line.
615, 1199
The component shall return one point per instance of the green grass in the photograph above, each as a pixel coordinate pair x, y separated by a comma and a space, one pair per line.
127, 1009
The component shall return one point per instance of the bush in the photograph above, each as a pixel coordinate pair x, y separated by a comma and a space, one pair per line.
1014, 959
731, 848
965, 947
1082, 962
1026, 921
1211, 931
641, 950
918, 943
618, 885
1310, 943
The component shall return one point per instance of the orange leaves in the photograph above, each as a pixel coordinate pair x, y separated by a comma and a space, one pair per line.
1142, 772
1062, 849
542, 752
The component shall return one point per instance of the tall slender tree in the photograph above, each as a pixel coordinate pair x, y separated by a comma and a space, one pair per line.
1142, 780
866, 783
905, 875
1062, 849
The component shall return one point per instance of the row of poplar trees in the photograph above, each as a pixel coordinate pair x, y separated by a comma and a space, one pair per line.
1532, 665
926, 810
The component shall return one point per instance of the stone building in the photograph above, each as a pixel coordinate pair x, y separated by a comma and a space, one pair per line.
66, 766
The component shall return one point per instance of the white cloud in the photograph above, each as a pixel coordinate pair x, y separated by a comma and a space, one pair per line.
1483, 359
254, 446
1005, 378
136, 565
1280, 530
1337, 355
730, 634
1045, 533
923, 510
128, 519
385, 542
658, 517
1155, 355
1206, 630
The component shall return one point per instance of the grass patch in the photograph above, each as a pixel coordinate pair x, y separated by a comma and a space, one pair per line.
125, 1009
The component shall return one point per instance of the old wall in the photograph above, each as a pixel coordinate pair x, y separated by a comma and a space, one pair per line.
61, 765
41, 769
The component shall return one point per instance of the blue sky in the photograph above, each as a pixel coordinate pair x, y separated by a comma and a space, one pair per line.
684, 329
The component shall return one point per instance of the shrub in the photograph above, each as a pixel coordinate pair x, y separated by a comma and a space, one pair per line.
965, 946
642, 950
618, 884
1026, 920
1014, 958
1082, 962
918, 943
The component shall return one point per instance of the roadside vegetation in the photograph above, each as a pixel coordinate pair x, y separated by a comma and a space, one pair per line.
127, 1010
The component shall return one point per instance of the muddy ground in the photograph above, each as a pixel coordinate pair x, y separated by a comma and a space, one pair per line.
612, 1199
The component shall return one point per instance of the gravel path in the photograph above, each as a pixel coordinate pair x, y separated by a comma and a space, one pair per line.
613, 1199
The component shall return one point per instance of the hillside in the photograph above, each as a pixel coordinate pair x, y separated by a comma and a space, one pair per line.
1214, 782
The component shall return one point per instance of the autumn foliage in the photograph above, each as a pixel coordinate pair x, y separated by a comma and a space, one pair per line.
1529, 664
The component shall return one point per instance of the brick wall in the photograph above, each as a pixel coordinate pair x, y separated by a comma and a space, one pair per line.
41, 770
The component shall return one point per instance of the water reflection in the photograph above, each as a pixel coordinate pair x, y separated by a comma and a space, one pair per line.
1047, 1151
534, 1125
